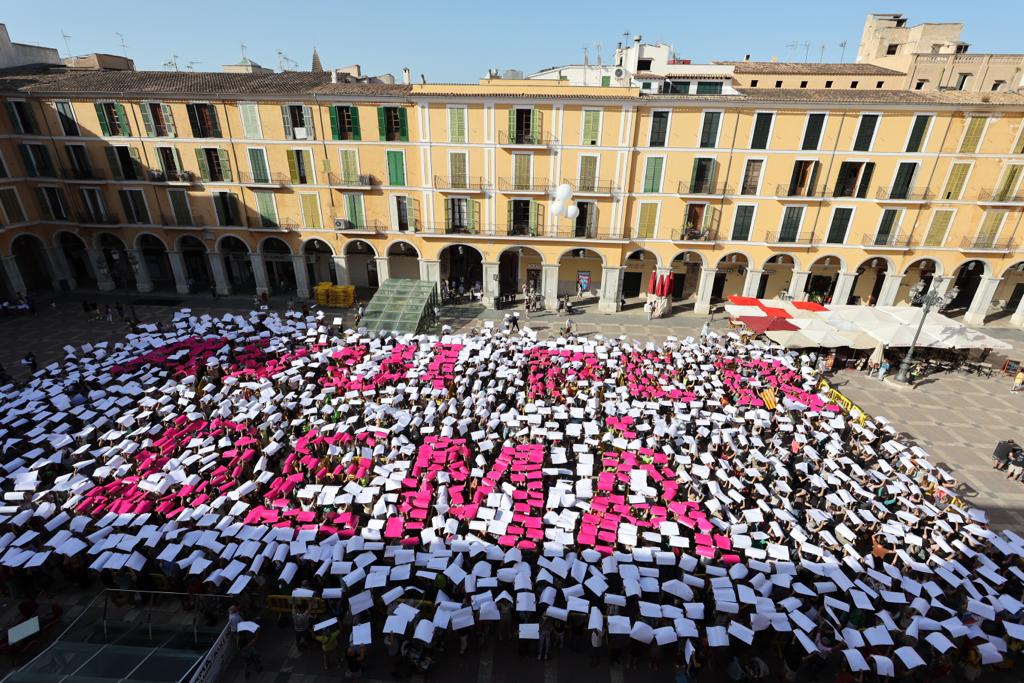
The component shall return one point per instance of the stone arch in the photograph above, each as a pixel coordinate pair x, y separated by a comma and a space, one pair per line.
318, 256
152, 254
686, 267
636, 274
235, 255
967, 277
604, 261
780, 258
138, 240
114, 260
869, 277
29, 252
277, 259
304, 246
403, 261
232, 242
75, 251
579, 265
779, 271
404, 250
519, 266
937, 267
461, 265
361, 263
822, 277
359, 246
196, 257
641, 252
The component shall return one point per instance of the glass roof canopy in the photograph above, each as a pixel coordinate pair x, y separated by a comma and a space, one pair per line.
403, 306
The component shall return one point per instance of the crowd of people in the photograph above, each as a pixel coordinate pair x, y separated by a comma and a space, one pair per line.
695, 504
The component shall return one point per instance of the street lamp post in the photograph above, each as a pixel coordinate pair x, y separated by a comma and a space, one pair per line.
927, 300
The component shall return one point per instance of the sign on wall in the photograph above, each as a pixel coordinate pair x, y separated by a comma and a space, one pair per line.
583, 280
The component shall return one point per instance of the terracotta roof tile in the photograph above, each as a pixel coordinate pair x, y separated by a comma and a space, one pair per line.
796, 68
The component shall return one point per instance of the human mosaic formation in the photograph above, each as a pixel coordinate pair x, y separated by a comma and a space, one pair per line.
683, 497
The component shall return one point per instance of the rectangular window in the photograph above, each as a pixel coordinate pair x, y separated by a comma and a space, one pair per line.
13, 213
752, 176
901, 185
703, 179
403, 216
178, 199
803, 182
113, 119
742, 223
1008, 186
989, 230
961, 81
521, 217
22, 118
696, 217
840, 223
157, 119
354, 209
66, 115
349, 167
266, 208
648, 222
709, 129
887, 227
458, 167
396, 168
790, 230
709, 87
524, 126
591, 127
812, 133
457, 214
917, 132
659, 128
587, 181
606, 81
865, 132
92, 200
311, 211
521, 171
956, 181
300, 166
214, 164
203, 119
457, 125
37, 161
345, 123
762, 127
52, 204
134, 204
170, 163
252, 129
676, 87
853, 179
393, 124
936, 234
972, 136
586, 221
298, 122
226, 206
258, 165
652, 174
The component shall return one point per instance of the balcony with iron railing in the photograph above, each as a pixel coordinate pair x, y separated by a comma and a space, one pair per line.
89, 174
893, 240
703, 187
351, 181
797, 193
903, 194
590, 186
788, 237
524, 138
173, 176
96, 218
528, 186
587, 233
366, 226
1000, 196
983, 243
172, 221
695, 233
460, 183
523, 229
265, 179
450, 228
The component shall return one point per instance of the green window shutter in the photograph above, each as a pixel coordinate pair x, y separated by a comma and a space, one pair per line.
955, 183
591, 127
917, 132
990, 227
258, 161
937, 230
307, 118
122, 120
536, 122
865, 179
762, 127
382, 125
178, 166
448, 212
354, 207
865, 132
136, 161
457, 125
114, 162
511, 123
287, 119
474, 214
709, 131
46, 162
44, 206
335, 131
101, 114
457, 164
1009, 183
521, 171
349, 165
214, 122
311, 211
606, 81
839, 225
972, 137
885, 228
396, 169
741, 224
588, 174
354, 112
179, 205
652, 174
403, 124
126, 206
12, 114
204, 167
791, 224
147, 119
28, 161
648, 215
250, 121
293, 165
225, 164
307, 166
1019, 147
812, 133
193, 120
510, 216
169, 120
812, 183
533, 217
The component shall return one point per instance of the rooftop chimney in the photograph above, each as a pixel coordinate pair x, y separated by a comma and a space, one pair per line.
406, 77
423, 79
746, 58
334, 76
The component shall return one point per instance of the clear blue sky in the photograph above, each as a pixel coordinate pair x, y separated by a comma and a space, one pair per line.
458, 40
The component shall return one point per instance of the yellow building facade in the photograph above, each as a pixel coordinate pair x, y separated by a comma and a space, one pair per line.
239, 183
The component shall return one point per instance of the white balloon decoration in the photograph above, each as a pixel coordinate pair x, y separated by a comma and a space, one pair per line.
563, 204
557, 208
572, 212
563, 192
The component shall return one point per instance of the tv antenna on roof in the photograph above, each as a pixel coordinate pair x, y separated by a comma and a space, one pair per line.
67, 41
597, 51
821, 57
807, 50
792, 46
124, 45
172, 64
190, 65
842, 55
243, 51
284, 60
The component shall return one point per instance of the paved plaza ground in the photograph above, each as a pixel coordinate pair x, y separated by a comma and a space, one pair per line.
957, 418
